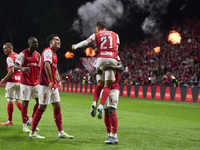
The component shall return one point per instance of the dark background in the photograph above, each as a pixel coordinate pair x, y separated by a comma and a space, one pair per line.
24, 18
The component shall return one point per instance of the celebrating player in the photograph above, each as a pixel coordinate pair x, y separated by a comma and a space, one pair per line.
107, 47
13, 82
28, 61
48, 92
110, 117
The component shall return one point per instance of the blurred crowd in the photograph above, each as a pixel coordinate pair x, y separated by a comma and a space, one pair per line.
175, 64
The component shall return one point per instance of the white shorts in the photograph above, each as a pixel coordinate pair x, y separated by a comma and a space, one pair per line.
46, 97
112, 99
12, 90
100, 76
29, 91
109, 74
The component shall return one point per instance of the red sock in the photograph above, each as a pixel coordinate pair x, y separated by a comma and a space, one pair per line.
36, 119
105, 94
19, 105
58, 119
10, 111
107, 121
24, 114
34, 109
114, 121
97, 92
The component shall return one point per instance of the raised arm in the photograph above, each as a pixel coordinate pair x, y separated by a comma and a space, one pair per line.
83, 43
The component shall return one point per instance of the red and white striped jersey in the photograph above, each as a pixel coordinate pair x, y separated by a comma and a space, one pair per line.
10, 60
27, 59
48, 56
107, 43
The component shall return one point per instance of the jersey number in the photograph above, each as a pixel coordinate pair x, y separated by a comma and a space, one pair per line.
104, 40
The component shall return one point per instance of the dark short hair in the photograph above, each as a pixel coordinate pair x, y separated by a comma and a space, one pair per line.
101, 24
31, 38
9, 44
50, 37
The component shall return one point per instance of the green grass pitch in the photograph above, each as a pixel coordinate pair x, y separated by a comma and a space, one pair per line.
143, 124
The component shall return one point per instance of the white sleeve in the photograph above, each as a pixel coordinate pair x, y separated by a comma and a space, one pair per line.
118, 58
81, 44
118, 42
48, 56
39, 62
9, 62
20, 59
91, 39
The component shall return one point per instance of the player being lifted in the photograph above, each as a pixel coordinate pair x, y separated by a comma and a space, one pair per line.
107, 48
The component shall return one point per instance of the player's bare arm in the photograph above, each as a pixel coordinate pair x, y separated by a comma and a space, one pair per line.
24, 69
83, 43
8, 75
47, 67
118, 68
96, 71
58, 79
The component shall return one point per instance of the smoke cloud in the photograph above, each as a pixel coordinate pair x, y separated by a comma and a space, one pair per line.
113, 10
91, 12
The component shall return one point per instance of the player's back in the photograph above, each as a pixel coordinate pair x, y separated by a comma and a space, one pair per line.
107, 44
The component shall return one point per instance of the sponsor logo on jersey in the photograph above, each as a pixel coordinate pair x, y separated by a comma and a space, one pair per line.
106, 53
32, 64
28, 58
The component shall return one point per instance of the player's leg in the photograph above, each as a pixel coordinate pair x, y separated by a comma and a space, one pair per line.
109, 79
43, 102
107, 121
18, 97
10, 109
35, 96
36, 119
55, 100
112, 106
9, 94
114, 123
26, 95
97, 92
18, 104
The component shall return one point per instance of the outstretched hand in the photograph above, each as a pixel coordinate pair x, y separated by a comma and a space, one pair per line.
50, 86
73, 46
26, 69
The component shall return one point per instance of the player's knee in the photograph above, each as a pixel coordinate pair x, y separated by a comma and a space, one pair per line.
10, 100
106, 111
37, 100
43, 107
25, 103
56, 105
112, 110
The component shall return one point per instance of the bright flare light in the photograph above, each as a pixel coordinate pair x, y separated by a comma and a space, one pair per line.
69, 54
174, 37
157, 49
90, 52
